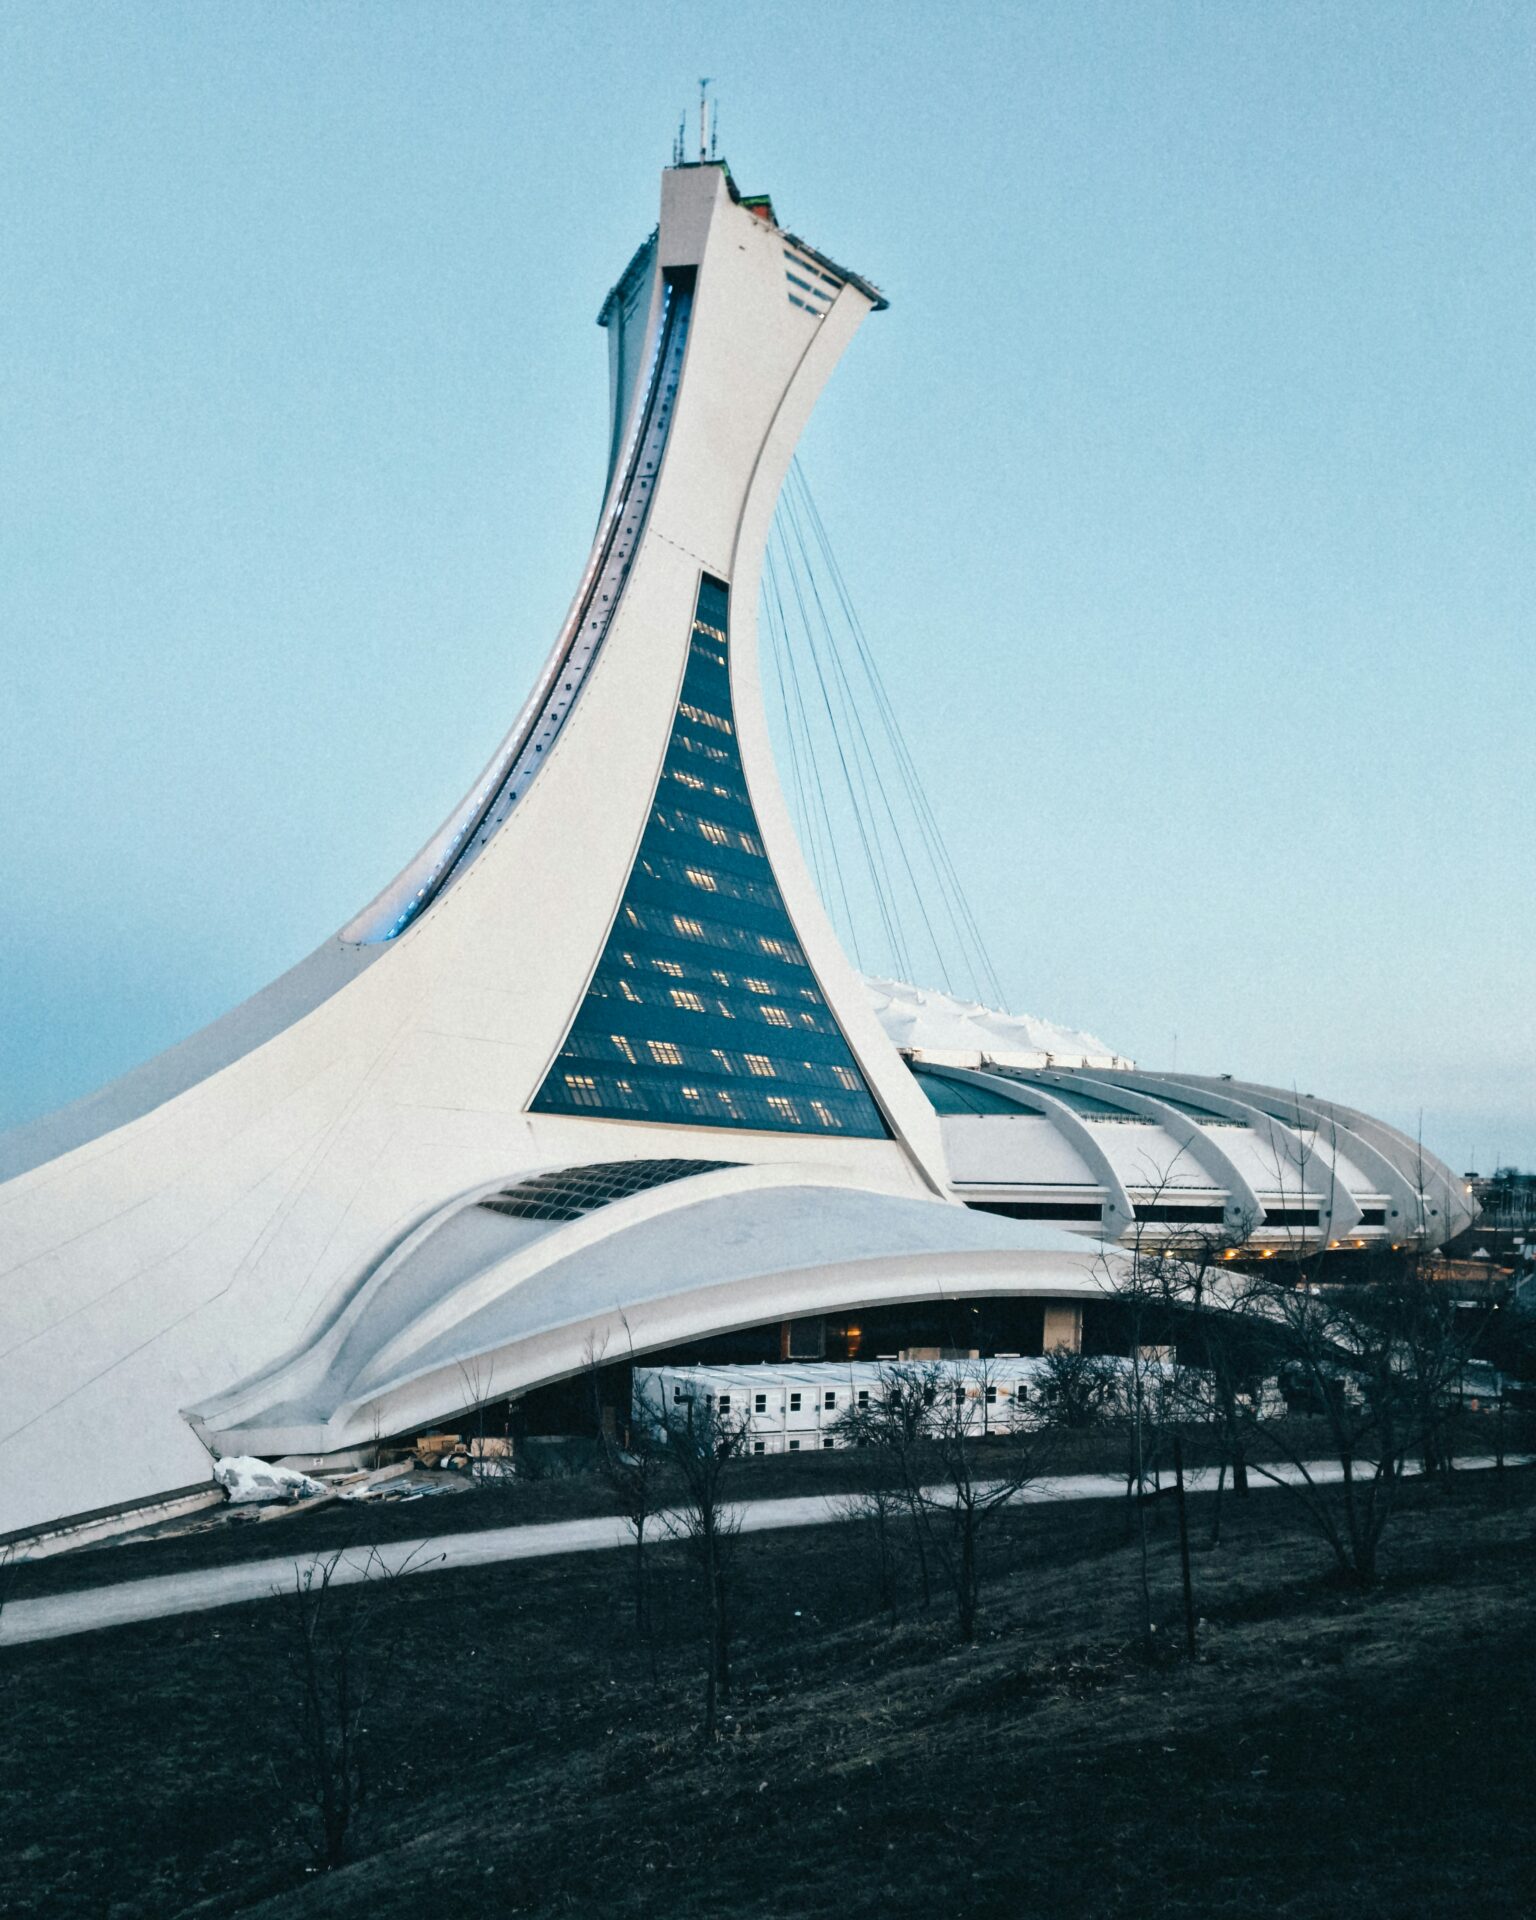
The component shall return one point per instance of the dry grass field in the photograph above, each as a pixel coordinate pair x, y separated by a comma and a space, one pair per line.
1329, 1754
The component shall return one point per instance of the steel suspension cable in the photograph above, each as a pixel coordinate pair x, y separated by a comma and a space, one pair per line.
862, 745
812, 782
963, 920
872, 863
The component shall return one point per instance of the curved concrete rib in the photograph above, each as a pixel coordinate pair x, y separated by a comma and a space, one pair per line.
1339, 1210
707, 1255
1119, 1213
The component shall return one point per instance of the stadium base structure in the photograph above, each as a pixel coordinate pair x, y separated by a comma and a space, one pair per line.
592, 1075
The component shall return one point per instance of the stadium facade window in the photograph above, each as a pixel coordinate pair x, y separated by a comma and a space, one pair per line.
685, 1019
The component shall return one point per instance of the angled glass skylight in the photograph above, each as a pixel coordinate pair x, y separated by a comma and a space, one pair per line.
574, 1191
703, 1009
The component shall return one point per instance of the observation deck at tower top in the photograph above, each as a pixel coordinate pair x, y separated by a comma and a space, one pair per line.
760, 204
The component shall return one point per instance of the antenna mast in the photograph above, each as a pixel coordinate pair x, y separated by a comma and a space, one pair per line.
703, 119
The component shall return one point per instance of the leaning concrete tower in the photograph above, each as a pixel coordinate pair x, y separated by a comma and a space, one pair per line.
606, 977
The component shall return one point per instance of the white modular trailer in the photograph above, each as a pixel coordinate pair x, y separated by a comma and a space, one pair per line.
797, 1407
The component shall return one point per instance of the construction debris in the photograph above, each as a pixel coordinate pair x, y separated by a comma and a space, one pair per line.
251, 1482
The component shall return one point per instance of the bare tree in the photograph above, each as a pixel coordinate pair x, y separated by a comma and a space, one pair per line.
489, 1455
638, 1473
704, 1444
636, 1465
1077, 1390
967, 1497
340, 1652
880, 1505
892, 1422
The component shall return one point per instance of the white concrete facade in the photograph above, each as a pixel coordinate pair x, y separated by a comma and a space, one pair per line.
210, 1224
315, 1220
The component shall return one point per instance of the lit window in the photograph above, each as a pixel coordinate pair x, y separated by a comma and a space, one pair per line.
652, 921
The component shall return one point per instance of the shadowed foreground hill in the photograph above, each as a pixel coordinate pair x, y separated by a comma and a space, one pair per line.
1329, 1755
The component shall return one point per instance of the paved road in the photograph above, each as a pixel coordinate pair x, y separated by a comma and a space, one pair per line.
54, 1616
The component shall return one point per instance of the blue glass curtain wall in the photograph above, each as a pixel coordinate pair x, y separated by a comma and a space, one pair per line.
703, 1009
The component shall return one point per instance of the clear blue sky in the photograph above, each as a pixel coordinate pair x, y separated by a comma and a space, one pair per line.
1186, 489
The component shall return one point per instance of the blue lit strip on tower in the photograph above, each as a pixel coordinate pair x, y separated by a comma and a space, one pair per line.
703, 1009
597, 602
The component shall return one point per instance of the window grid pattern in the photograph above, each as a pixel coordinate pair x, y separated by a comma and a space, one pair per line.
703, 1009
575, 1191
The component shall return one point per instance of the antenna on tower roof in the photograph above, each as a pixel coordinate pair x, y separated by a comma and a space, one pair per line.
703, 119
